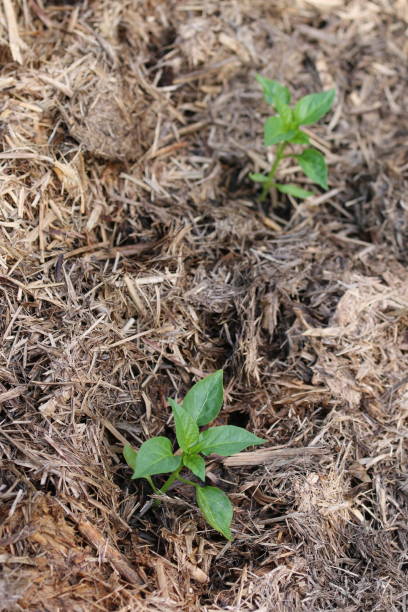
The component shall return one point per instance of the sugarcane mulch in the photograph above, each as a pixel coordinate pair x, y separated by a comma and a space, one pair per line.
135, 259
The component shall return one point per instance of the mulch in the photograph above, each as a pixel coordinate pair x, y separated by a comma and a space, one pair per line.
135, 258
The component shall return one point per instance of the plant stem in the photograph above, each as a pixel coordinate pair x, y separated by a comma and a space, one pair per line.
189, 482
151, 483
174, 476
271, 174
170, 480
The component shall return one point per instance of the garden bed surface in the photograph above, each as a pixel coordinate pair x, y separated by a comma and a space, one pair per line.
135, 259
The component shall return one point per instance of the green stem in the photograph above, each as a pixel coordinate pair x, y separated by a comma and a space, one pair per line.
189, 482
271, 174
174, 476
170, 480
151, 483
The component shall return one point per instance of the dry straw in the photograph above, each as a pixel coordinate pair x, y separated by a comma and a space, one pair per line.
134, 259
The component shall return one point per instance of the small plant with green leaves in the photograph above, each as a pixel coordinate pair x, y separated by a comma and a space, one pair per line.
200, 406
284, 130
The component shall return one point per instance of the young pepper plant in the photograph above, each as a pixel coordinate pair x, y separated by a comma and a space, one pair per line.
200, 406
283, 130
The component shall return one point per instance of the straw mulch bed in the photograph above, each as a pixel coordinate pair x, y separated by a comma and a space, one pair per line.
134, 259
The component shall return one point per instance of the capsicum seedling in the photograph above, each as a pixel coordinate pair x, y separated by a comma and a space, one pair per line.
200, 406
284, 130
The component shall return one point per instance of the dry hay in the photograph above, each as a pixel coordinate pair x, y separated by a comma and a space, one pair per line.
134, 258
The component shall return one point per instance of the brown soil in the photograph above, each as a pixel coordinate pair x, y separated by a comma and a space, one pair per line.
135, 259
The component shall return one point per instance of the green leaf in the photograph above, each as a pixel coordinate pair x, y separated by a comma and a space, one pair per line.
186, 428
216, 509
313, 107
300, 138
130, 456
314, 166
196, 464
294, 190
225, 440
286, 114
204, 400
275, 131
274, 92
155, 456
258, 177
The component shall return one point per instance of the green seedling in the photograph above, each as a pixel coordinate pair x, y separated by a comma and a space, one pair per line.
200, 406
283, 130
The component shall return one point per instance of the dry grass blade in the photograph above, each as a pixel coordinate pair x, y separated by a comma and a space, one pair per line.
280, 456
